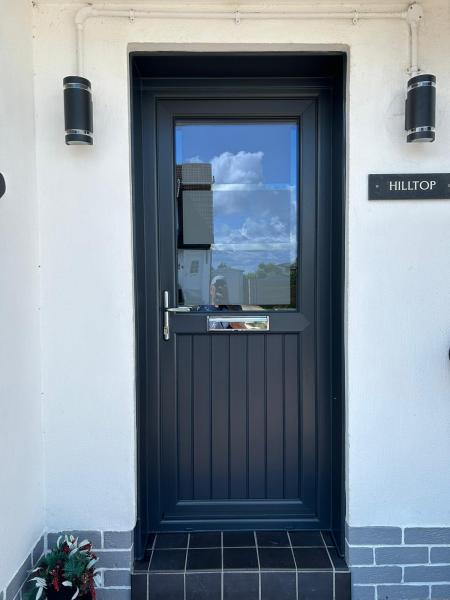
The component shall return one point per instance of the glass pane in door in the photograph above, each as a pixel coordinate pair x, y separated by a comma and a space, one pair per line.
237, 206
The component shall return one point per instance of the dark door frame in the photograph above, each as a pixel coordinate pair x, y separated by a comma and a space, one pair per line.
298, 75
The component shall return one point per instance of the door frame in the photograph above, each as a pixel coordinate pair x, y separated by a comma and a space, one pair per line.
147, 301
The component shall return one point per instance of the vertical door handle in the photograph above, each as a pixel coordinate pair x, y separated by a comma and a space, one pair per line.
170, 309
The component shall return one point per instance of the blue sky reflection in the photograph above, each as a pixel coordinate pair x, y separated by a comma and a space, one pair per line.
254, 168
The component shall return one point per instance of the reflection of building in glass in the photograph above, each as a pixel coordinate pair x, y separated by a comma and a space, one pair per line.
234, 279
194, 276
196, 234
195, 201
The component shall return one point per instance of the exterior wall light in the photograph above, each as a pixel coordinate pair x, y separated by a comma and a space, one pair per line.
420, 110
78, 111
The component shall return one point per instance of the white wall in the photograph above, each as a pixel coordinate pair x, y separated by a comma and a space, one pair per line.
87, 322
398, 284
21, 448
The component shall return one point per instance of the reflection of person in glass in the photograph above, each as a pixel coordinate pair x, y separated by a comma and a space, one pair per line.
219, 291
219, 301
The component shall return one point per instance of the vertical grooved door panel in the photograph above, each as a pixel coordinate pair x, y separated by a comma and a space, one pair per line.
292, 411
256, 383
238, 417
201, 416
185, 414
238, 439
275, 416
220, 424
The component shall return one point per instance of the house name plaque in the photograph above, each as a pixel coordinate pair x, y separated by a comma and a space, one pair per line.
411, 186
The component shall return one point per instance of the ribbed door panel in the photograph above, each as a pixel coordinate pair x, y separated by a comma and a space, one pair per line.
238, 417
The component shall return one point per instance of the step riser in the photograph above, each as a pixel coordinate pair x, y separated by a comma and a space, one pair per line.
220, 585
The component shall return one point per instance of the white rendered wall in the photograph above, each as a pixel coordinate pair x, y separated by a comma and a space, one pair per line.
21, 448
398, 280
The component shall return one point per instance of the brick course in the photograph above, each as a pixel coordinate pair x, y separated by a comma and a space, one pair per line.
391, 563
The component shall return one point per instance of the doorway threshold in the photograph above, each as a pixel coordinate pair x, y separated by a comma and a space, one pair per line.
247, 565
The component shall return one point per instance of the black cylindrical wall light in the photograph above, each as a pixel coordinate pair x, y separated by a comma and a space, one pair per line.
78, 110
420, 110
2, 185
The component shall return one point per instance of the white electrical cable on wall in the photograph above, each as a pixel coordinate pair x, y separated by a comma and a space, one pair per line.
412, 15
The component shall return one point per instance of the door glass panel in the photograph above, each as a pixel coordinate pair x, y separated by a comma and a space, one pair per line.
237, 203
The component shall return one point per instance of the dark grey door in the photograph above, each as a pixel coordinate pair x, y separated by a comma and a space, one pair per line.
243, 401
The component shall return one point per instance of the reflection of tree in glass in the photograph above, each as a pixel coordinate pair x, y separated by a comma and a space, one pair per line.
266, 269
279, 276
293, 280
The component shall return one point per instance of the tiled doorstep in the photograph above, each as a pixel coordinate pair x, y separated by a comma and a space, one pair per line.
268, 550
241, 566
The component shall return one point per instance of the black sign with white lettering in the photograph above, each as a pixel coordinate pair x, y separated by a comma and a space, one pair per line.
414, 186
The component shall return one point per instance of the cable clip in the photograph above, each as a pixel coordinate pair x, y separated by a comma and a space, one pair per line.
355, 19
237, 17
131, 16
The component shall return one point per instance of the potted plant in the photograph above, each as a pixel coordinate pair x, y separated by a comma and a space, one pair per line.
67, 571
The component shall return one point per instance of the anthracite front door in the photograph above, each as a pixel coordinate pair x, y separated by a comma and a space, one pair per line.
242, 410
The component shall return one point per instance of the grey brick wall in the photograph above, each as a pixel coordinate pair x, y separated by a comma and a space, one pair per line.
394, 563
115, 552
16, 587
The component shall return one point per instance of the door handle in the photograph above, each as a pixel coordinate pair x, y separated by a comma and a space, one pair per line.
170, 309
